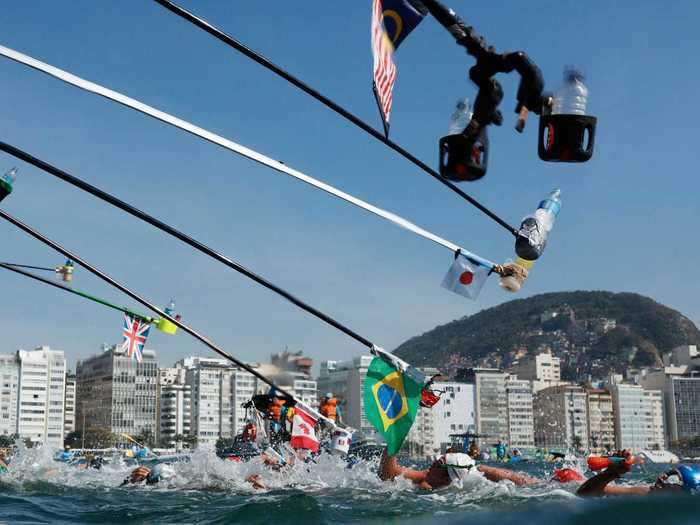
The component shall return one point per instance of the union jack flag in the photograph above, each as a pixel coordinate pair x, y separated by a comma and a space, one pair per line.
135, 335
384, 67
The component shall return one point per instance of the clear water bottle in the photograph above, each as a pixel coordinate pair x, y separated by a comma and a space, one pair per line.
170, 309
460, 117
7, 181
572, 97
534, 230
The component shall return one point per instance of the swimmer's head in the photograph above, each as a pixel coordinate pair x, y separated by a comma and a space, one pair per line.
682, 478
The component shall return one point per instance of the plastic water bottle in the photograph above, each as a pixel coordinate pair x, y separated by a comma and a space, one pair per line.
572, 97
460, 117
6, 182
170, 309
534, 230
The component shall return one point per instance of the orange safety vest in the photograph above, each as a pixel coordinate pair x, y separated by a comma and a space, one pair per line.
275, 408
328, 408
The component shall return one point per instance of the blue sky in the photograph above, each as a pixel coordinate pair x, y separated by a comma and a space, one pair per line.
628, 219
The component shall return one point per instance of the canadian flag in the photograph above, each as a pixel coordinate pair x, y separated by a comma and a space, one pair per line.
465, 279
303, 434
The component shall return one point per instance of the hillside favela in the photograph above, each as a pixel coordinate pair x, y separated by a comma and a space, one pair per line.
381, 261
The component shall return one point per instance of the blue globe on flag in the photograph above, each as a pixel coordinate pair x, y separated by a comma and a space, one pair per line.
390, 401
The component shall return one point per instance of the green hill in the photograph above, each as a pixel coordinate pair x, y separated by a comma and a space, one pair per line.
592, 332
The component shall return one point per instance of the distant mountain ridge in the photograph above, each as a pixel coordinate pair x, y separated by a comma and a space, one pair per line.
592, 331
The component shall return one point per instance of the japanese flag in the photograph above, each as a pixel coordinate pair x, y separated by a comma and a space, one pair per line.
465, 279
303, 434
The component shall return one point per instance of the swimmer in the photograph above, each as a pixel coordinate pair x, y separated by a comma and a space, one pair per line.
450, 469
151, 476
677, 480
276, 461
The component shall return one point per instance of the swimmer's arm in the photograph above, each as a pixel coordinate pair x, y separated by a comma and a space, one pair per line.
619, 490
256, 481
597, 486
499, 474
389, 469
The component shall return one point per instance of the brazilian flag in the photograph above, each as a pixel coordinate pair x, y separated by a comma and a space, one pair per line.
391, 402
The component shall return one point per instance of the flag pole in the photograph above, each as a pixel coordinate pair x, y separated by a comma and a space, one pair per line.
193, 243
123, 309
266, 63
387, 215
42, 268
381, 110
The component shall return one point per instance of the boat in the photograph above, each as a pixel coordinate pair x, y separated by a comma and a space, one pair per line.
659, 456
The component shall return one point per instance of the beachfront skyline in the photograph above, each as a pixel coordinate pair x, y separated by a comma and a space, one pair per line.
625, 216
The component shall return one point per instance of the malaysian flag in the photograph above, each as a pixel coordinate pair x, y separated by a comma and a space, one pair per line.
392, 21
135, 335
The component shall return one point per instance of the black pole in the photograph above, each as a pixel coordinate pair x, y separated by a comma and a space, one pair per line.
109, 280
43, 268
266, 63
17, 269
114, 201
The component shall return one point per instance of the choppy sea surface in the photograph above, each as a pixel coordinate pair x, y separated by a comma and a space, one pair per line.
209, 490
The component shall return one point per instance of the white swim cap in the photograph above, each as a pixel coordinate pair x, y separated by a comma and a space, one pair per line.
459, 466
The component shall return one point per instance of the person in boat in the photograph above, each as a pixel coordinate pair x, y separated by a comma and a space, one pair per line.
329, 408
65, 455
681, 479
276, 413
150, 476
474, 451
449, 469
501, 450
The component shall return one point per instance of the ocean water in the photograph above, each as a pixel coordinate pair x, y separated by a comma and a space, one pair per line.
210, 490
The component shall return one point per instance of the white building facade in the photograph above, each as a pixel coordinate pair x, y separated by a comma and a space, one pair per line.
638, 414
453, 414
346, 380
601, 421
174, 407
9, 392
69, 405
521, 425
561, 418
40, 413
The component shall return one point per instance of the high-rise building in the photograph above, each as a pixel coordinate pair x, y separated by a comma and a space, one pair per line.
544, 370
346, 381
561, 417
682, 399
601, 421
42, 378
680, 384
638, 414
245, 386
521, 431
453, 414
656, 419
210, 380
174, 413
69, 405
117, 393
491, 402
9, 392
421, 438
